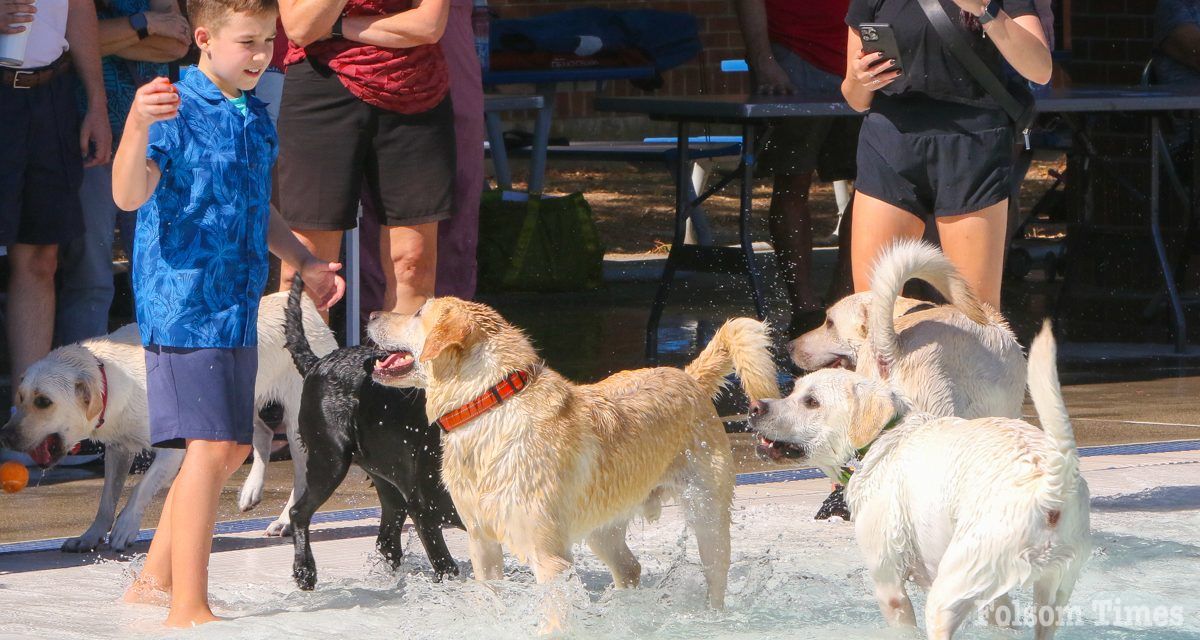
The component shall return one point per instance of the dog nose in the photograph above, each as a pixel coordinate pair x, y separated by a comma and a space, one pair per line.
375, 314
758, 409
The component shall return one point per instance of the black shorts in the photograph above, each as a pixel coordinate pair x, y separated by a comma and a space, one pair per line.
40, 164
333, 145
799, 146
933, 157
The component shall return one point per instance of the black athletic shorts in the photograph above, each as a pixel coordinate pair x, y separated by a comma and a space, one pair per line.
41, 167
333, 145
931, 157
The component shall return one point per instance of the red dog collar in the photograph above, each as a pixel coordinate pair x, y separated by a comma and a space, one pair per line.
103, 404
103, 393
488, 400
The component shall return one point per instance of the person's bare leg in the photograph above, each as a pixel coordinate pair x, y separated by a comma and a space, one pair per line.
326, 245
974, 243
792, 236
412, 252
30, 305
153, 585
206, 467
874, 226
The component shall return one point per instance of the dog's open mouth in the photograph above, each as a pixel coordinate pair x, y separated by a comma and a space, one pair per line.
396, 365
839, 362
775, 450
49, 452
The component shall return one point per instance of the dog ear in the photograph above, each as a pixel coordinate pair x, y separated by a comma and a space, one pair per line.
88, 397
452, 328
874, 406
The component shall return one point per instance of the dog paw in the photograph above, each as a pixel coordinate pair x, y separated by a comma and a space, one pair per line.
446, 571
279, 529
122, 537
85, 543
250, 496
834, 505
306, 577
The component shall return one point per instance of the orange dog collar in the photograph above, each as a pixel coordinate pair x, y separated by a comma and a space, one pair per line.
495, 396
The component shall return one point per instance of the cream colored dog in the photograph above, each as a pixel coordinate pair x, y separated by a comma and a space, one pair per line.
970, 509
559, 462
62, 397
959, 359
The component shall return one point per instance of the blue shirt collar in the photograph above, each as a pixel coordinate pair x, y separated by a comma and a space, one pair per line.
197, 82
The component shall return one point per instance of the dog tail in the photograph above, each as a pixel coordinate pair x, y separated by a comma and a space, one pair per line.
742, 345
1046, 393
293, 330
904, 261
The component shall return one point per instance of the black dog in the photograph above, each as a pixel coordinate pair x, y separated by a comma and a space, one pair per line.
344, 418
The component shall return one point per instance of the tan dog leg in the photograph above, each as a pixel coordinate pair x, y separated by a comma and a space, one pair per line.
487, 557
707, 496
609, 545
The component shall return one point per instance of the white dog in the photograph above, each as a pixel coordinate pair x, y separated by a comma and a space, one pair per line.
96, 390
970, 509
959, 359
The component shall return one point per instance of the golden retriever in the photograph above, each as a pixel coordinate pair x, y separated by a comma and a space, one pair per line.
560, 462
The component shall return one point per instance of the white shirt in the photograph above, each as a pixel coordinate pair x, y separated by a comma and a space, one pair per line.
48, 37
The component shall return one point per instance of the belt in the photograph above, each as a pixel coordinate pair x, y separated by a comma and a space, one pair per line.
30, 78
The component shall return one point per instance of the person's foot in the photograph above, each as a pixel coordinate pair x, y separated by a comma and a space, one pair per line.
180, 619
144, 592
834, 505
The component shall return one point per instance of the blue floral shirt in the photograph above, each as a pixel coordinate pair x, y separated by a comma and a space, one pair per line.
200, 248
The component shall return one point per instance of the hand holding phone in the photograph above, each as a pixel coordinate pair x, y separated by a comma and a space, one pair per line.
878, 63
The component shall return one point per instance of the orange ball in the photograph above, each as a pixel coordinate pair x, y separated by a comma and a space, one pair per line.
13, 476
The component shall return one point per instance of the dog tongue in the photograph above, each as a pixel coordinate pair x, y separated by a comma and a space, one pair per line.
392, 360
42, 454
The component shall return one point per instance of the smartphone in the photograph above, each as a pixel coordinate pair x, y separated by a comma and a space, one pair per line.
877, 37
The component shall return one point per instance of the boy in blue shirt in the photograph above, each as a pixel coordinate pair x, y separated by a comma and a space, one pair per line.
196, 158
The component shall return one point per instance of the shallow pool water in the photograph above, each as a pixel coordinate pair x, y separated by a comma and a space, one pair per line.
791, 577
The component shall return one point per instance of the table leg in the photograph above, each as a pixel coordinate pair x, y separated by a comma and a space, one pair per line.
746, 203
353, 283
1180, 321
541, 139
495, 134
682, 205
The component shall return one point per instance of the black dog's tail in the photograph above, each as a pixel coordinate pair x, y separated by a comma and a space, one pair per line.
293, 331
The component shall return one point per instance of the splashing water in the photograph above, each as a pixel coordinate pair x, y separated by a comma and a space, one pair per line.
791, 577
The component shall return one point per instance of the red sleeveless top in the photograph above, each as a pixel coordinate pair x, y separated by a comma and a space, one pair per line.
411, 80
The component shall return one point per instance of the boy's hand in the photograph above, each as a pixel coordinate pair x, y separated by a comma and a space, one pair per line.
156, 100
323, 283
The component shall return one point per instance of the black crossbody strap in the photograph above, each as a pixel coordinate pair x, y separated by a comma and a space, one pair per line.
954, 40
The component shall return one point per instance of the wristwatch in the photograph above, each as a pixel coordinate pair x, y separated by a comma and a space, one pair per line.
140, 25
990, 11
336, 31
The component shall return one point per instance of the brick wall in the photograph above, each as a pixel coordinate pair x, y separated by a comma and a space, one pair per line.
719, 34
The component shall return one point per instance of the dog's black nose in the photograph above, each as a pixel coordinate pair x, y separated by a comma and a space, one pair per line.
758, 409
375, 314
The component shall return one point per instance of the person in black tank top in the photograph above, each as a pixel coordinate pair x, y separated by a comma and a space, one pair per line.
934, 142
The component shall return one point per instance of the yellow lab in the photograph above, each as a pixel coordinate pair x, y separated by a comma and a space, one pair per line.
538, 463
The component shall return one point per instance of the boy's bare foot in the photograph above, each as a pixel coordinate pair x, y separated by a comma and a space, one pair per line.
145, 592
182, 619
